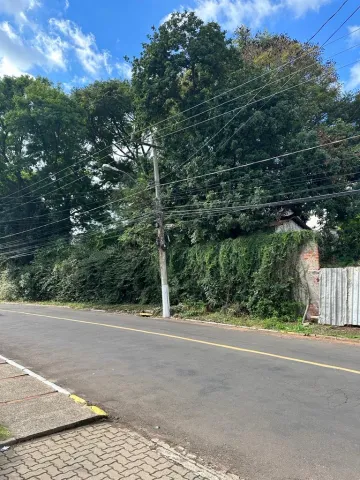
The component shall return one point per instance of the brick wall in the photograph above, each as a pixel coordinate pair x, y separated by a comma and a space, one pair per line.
309, 269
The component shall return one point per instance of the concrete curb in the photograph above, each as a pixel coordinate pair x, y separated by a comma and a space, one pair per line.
98, 411
35, 375
50, 431
8, 442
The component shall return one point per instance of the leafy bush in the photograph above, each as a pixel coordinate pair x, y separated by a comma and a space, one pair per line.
254, 274
257, 273
8, 287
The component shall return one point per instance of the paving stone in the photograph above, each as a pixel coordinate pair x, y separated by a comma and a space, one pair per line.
53, 458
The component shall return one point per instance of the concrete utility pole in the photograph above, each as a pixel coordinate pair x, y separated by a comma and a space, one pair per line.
161, 237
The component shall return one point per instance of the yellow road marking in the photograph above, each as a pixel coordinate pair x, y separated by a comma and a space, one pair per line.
98, 411
193, 340
78, 399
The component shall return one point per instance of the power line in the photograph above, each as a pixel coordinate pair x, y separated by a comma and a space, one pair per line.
293, 201
31, 250
67, 218
257, 77
305, 182
344, 36
346, 20
174, 116
219, 205
328, 20
200, 176
199, 104
256, 89
91, 209
16, 245
192, 156
219, 185
262, 161
250, 103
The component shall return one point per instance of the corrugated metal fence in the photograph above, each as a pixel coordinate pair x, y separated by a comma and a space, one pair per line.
340, 296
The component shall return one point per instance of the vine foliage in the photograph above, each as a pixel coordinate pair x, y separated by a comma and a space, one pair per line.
256, 273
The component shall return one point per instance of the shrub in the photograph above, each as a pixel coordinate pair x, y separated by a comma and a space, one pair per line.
256, 273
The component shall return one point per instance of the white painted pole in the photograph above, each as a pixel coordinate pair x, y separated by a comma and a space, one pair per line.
161, 239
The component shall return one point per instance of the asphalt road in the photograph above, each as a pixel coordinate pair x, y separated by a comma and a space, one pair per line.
263, 416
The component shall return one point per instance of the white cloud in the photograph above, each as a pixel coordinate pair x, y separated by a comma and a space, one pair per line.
354, 36
300, 7
10, 32
17, 8
84, 45
354, 81
52, 48
233, 13
19, 56
7, 67
67, 5
124, 70
15, 58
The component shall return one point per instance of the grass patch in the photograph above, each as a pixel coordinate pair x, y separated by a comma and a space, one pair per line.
4, 433
275, 324
199, 312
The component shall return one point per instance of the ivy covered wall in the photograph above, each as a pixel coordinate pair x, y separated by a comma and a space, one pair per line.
257, 274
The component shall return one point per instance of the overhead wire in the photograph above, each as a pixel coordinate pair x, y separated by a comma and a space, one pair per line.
236, 109
292, 201
114, 144
241, 126
8, 245
67, 218
200, 176
227, 204
276, 157
345, 21
319, 178
329, 19
195, 106
257, 77
11, 235
256, 89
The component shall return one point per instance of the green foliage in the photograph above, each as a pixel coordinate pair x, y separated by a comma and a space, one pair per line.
4, 433
44, 177
341, 248
77, 273
54, 192
187, 61
257, 273
8, 286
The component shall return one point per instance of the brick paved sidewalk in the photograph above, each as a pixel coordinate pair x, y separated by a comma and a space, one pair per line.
100, 451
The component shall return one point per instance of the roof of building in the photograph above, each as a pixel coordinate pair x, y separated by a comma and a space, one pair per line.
286, 218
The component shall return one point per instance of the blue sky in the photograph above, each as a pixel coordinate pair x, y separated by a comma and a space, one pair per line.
77, 41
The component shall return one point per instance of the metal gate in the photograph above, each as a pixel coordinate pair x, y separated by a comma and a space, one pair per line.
340, 296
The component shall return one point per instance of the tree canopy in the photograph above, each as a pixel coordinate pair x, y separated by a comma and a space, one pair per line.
211, 103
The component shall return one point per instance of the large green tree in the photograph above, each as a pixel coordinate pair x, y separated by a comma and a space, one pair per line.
280, 97
46, 181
